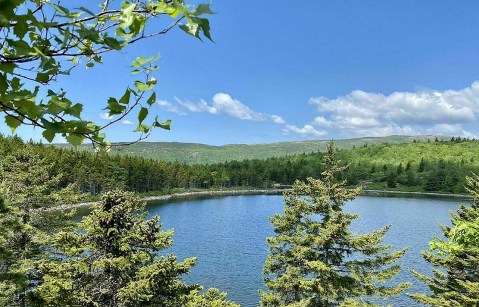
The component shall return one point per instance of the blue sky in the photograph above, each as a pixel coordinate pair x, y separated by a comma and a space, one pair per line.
279, 71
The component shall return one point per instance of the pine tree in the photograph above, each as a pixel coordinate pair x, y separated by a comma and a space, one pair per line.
455, 280
391, 180
422, 166
112, 260
315, 259
27, 184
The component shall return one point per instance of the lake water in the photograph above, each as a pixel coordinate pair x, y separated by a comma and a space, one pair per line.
228, 235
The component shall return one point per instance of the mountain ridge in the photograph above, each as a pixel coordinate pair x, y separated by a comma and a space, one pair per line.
193, 153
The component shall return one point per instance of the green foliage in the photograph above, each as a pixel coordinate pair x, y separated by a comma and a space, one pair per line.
112, 260
315, 259
96, 173
191, 153
26, 186
41, 41
455, 280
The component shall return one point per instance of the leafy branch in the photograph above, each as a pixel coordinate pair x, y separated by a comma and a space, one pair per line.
41, 40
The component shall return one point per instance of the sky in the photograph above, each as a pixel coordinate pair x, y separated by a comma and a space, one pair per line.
282, 71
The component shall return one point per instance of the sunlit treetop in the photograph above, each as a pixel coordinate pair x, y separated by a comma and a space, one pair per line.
41, 40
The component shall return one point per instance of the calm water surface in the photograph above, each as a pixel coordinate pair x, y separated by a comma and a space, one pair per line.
228, 235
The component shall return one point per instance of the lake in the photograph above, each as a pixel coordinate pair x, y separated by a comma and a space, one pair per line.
228, 235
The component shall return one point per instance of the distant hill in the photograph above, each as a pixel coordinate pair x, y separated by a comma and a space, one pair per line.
192, 153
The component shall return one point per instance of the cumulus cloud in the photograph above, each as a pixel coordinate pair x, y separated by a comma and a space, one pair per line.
224, 103
221, 103
320, 121
307, 131
127, 122
425, 111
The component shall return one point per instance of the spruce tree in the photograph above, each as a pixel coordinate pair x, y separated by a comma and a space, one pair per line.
27, 185
455, 280
315, 259
116, 258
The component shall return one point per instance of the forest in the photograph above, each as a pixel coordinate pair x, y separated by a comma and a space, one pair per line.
440, 166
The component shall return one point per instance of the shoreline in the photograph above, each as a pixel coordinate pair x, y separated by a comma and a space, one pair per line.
194, 194
376, 192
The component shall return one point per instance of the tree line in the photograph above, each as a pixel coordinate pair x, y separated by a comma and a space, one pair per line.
431, 167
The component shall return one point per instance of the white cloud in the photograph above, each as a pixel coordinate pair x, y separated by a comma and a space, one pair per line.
277, 119
105, 116
224, 104
201, 106
356, 122
169, 107
306, 131
320, 121
446, 129
386, 130
127, 122
424, 111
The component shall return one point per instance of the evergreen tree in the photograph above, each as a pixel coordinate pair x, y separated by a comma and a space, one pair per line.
27, 184
315, 259
455, 280
111, 260
408, 166
422, 166
391, 180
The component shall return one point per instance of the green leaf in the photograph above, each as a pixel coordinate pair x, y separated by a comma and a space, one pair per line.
143, 86
142, 114
3, 83
90, 64
75, 139
55, 104
90, 34
8, 67
66, 36
114, 107
202, 9
38, 52
142, 128
49, 135
12, 122
62, 10
205, 27
21, 27
164, 125
139, 61
42, 77
113, 43
76, 110
191, 29
84, 9
152, 81
120, 32
173, 11
125, 99
127, 8
196, 25
152, 99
